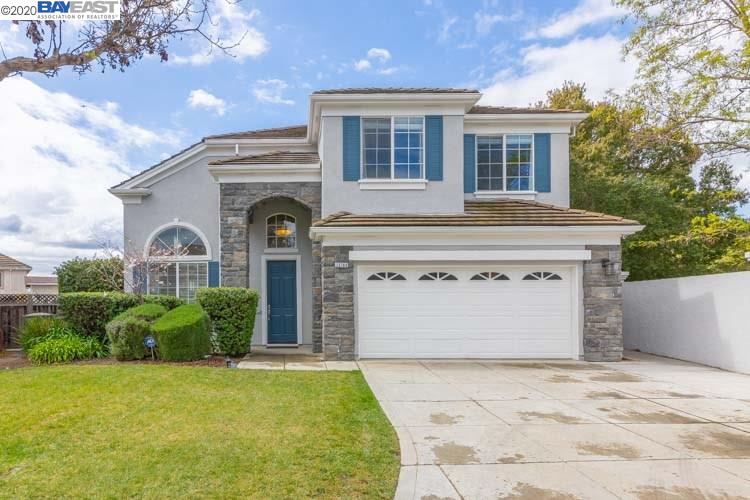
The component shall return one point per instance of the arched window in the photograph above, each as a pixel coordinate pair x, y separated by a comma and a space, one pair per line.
489, 276
438, 276
281, 231
386, 276
177, 263
542, 276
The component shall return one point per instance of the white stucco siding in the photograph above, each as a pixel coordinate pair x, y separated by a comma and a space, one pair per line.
560, 172
444, 196
699, 318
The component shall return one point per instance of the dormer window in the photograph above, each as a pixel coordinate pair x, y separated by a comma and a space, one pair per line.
393, 148
505, 162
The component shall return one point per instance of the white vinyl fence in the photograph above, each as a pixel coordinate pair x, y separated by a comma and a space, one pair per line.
704, 319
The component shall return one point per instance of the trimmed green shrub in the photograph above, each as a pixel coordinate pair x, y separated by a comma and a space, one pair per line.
63, 345
145, 312
232, 313
128, 330
183, 334
89, 312
91, 275
36, 328
168, 301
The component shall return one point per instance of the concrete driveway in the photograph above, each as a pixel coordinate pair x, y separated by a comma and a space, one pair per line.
645, 428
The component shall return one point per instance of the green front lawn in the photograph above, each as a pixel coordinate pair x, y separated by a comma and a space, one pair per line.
172, 431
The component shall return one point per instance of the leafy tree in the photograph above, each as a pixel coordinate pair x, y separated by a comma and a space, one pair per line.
91, 275
145, 27
621, 164
694, 71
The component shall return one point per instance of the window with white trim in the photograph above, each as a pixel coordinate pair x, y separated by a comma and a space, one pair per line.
393, 148
438, 276
281, 231
177, 264
505, 162
542, 276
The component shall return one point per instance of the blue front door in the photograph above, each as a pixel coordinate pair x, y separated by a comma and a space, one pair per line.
281, 289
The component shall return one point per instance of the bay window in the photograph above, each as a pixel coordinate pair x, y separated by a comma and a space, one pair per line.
505, 162
393, 148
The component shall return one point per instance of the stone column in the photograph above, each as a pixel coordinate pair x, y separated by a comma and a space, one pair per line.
338, 304
602, 304
233, 207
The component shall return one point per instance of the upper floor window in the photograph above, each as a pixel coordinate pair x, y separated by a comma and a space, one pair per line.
505, 162
281, 231
393, 148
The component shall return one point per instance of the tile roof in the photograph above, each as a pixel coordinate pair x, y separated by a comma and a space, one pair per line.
396, 90
484, 213
10, 263
510, 110
274, 157
41, 280
293, 131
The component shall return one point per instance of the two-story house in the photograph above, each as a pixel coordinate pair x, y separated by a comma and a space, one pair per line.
398, 222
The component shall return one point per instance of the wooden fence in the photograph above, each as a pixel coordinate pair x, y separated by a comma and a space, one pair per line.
13, 309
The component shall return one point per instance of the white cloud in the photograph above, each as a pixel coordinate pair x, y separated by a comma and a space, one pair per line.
199, 98
382, 54
378, 56
445, 29
362, 65
484, 21
230, 24
597, 62
587, 12
271, 91
60, 154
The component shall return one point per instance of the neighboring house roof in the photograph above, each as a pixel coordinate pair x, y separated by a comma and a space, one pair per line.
10, 263
293, 131
510, 110
484, 213
396, 90
274, 157
41, 280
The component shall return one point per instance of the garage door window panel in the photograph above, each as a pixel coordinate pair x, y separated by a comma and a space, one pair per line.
490, 276
386, 276
438, 276
542, 276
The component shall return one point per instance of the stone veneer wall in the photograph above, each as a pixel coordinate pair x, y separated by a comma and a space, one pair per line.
338, 304
235, 201
602, 304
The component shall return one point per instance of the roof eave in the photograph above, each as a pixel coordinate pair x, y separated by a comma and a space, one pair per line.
572, 118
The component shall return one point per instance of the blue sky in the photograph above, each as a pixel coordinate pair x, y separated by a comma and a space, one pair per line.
69, 138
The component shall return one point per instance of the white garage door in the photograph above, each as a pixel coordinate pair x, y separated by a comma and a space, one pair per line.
466, 311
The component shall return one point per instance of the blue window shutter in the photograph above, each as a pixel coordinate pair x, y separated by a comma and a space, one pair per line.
351, 148
213, 274
470, 163
542, 163
434, 147
139, 278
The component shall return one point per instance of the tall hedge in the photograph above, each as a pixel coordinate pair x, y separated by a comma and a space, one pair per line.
89, 312
232, 313
127, 331
183, 334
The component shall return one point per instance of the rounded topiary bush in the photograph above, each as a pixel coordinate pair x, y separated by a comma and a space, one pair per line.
232, 313
128, 330
182, 334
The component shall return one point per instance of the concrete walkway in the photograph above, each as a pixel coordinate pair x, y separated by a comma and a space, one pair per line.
300, 359
645, 428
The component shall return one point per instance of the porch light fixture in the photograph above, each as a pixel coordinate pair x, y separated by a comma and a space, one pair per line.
282, 232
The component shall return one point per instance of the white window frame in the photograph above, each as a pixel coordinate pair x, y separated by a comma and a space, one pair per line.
177, 264
281, 249
532, 187
180, 259
392, 178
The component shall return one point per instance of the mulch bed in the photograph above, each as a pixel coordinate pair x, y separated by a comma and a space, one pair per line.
16, 359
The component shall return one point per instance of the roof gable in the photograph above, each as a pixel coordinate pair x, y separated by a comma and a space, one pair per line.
11, 263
